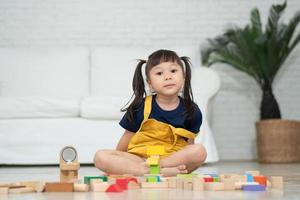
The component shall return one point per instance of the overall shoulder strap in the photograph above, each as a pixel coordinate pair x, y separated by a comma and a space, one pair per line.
147, 106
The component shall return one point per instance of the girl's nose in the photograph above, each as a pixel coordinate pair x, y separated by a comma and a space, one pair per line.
168, 76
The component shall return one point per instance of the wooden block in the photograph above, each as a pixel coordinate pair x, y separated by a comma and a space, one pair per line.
93, 181
4, 190
198, 184
21, 190
81, 187
229, 184
133, 185
179, 183
59, 187
172, 182
38, 186
253, 172
153, 160
238, 185
69, 166
235, 177
188, 184
277, 182
87, 179
99, 187
155, 185
254, 187
261, 180
214, 186
154, 169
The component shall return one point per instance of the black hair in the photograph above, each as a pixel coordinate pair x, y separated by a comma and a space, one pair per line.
138, 84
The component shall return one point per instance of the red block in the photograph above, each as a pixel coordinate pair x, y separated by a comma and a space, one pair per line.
208, 179
123, 182
114, 188
262, 180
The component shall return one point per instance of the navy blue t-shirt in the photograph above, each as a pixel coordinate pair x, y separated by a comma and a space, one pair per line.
174, 117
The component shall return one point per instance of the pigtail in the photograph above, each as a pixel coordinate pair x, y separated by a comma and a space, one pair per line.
139, 91
187, 90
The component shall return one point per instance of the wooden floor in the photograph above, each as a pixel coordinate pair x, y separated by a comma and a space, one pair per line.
290, 172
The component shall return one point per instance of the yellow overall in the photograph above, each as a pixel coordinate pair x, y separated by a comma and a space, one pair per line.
154, 132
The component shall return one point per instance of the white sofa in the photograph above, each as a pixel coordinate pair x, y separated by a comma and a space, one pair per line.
53, 97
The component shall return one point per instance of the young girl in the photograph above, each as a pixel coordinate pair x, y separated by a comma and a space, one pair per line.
164, 118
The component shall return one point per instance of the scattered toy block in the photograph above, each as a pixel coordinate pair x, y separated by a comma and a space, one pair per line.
123, 182
238, 185
172, 182
155, 150
87, 179
133, 185
214, 186
188, 184
153, 179
114, 188
187, 176
179, 183
229, 184
234, 177
253, 172
198, 184
277, 182
99, 187
216, 179
153, 160
155, 185
208, 179
38, 186
250, 178
4, 190
154, 169
81, 187
254, 187
22, 190
59, 187
262, 180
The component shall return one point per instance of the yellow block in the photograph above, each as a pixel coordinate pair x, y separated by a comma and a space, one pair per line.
153, 160
155, 150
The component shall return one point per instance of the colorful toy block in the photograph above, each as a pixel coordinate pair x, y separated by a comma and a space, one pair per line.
153, 160
154, 169
87, 179
254, 187
80, 187
277, 182
249, 178
155, 185
262, 180
114, 188
99, 187
59, 187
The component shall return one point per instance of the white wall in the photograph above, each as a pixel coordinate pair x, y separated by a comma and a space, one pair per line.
171, 22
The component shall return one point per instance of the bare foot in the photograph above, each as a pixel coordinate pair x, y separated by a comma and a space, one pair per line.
173, 171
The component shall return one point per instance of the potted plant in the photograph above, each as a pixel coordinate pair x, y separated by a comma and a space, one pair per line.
260, 53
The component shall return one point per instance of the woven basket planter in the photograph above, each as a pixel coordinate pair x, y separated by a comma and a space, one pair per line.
278, 141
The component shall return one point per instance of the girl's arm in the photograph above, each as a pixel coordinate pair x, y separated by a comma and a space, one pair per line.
191, 141
124, 141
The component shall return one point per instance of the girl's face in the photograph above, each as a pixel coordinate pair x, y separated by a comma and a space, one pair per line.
166, 79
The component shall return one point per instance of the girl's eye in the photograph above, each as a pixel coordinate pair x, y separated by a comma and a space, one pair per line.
174, 70
159, 73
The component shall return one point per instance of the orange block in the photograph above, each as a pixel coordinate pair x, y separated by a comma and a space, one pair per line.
262, 180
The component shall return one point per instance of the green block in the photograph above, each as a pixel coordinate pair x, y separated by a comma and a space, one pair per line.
216, 179
154, 169
152, 179
87, 179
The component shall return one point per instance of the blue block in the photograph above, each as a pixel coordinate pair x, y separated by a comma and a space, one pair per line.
253, 187
250, 178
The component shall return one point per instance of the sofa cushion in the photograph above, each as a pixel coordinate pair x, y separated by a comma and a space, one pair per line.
46, 72
113, 68
103, 107
38, 107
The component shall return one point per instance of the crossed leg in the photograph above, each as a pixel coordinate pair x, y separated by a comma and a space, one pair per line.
119, 162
